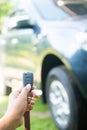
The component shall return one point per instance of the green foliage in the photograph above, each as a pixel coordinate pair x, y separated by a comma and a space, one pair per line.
4, 9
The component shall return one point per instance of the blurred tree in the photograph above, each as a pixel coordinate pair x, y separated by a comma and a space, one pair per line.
5, 6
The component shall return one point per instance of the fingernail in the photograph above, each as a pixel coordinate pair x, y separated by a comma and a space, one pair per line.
28, 86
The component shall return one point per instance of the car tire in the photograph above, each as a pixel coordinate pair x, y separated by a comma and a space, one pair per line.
65, 102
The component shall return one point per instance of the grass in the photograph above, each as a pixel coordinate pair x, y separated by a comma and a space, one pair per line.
40, 115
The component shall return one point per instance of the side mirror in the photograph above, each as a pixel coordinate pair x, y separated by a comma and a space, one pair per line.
27, 24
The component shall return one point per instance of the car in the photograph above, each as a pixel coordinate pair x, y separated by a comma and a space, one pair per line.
56, 52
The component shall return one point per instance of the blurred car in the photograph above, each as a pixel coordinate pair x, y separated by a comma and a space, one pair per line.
56, 52
19, 27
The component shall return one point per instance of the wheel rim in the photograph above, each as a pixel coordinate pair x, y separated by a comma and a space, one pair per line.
59, 100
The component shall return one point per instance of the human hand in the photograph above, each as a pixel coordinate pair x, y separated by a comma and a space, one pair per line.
19, 102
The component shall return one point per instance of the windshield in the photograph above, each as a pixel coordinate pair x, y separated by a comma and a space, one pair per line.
79, 9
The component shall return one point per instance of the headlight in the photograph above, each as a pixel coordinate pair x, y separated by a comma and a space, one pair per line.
82, 39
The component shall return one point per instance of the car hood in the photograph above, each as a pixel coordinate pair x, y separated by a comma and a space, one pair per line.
78, 23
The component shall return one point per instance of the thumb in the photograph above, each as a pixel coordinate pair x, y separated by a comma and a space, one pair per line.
25, 90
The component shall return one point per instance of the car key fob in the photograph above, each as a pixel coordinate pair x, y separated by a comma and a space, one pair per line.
28, 78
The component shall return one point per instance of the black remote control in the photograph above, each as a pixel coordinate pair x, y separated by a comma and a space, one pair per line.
28, 78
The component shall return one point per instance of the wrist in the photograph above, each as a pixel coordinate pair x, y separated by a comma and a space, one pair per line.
9, 122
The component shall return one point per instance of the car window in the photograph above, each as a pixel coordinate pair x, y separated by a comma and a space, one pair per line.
79, 9
49, 10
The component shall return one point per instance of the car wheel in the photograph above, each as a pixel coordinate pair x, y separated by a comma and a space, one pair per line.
63, 100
